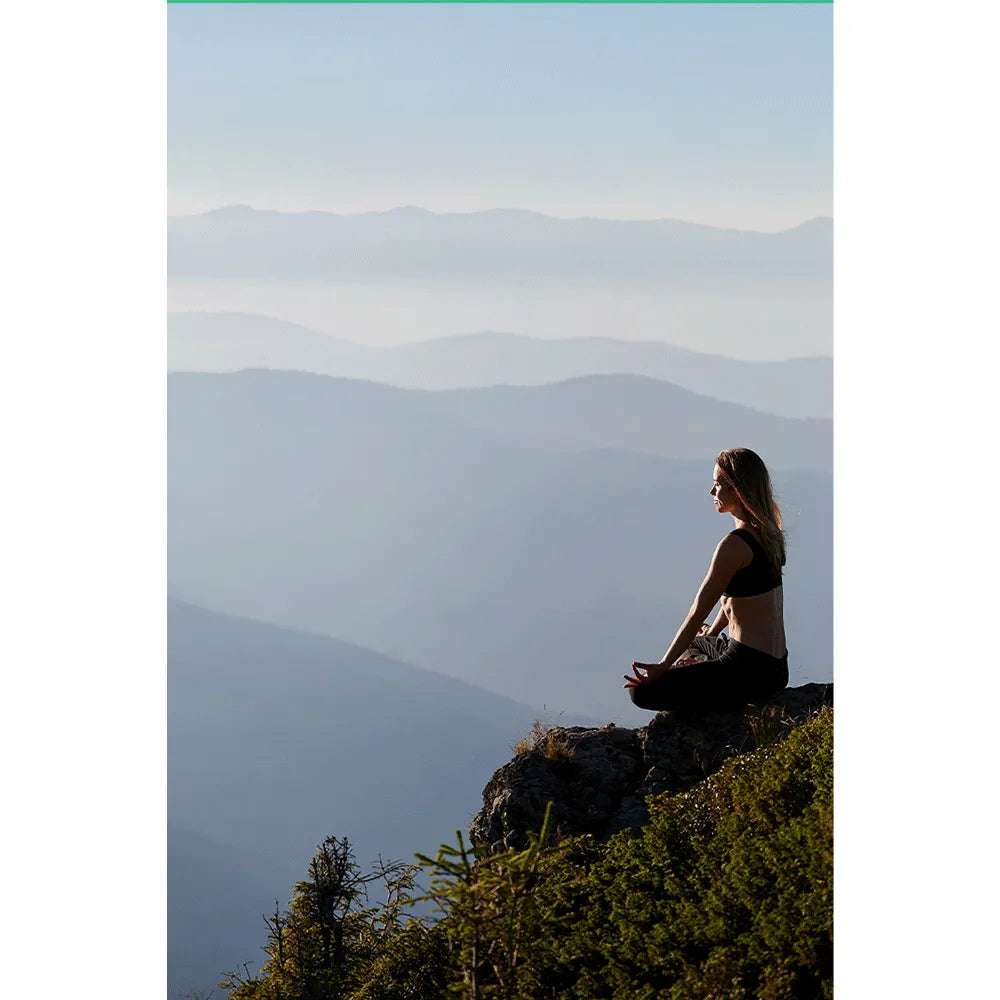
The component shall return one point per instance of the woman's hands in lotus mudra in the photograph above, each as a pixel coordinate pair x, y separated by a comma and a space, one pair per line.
643, 673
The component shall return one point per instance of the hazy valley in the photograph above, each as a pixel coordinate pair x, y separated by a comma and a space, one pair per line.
278, 738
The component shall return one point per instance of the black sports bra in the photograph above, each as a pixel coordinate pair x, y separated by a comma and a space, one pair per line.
758, 577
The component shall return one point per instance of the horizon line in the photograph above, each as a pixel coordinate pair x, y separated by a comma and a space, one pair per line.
487, 211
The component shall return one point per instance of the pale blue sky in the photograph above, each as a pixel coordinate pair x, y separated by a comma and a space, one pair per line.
719, 114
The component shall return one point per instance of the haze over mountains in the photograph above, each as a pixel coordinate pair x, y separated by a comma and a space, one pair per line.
412, 242
409, 275
221, 342
511, 558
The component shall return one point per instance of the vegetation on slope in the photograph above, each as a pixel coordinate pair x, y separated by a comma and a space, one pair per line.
726, 894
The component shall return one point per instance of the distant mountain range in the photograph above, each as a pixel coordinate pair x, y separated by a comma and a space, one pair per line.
280, 738
225, 342
409, 275
239, 241
476, 532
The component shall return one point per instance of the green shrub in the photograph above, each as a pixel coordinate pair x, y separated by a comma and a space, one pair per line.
726, 894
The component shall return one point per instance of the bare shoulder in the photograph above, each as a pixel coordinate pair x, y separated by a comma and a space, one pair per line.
733, 551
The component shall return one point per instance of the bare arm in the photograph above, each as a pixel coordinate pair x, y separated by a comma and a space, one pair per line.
731, 554
721, 621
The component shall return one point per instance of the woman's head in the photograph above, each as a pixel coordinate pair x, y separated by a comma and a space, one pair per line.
744, 483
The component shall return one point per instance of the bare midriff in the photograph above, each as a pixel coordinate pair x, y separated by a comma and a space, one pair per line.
758, 621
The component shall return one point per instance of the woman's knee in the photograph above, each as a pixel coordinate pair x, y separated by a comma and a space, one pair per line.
641, 696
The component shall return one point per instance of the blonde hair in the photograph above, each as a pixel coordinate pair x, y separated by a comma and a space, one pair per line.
746, 473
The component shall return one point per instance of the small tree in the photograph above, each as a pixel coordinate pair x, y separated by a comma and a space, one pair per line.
493, 913
321, 947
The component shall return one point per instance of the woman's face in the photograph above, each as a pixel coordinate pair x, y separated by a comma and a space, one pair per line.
726, 500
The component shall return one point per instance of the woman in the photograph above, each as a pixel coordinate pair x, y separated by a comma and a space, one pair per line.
745, 574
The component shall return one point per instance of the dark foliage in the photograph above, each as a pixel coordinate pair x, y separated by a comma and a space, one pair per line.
726, 894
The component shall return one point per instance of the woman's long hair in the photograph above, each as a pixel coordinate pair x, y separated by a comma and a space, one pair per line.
746, 473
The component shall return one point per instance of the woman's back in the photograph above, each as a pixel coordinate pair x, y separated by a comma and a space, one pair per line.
756, 620
759, 621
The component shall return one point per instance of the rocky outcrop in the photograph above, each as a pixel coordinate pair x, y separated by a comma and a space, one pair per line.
598, 779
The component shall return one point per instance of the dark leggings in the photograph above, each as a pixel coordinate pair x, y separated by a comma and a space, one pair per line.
732, 676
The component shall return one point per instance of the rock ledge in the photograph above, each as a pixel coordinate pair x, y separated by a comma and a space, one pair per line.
598, 779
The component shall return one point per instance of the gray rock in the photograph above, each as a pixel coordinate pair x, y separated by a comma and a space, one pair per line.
598, 779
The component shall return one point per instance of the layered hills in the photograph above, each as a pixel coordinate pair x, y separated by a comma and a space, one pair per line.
410, 275
451, 532
224, 342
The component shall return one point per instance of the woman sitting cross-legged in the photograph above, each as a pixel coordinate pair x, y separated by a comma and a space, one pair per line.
745, 574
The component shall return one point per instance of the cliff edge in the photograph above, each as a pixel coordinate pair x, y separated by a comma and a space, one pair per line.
598, 779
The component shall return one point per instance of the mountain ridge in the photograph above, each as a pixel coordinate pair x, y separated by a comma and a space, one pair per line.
231, 341
245, 209
556, 410
508, 335
179, 605
487, 246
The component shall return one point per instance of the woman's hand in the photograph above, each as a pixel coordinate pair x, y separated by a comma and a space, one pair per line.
704, 629
643, 673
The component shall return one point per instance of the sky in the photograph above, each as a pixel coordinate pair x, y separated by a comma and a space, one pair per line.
719, 114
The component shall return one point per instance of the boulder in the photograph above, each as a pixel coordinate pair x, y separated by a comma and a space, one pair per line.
598, 779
